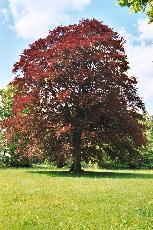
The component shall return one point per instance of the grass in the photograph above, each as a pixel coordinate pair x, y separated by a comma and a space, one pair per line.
45, 199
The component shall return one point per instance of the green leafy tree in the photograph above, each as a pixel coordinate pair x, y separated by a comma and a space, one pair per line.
147, 152
139, 5
8, 148
6, 96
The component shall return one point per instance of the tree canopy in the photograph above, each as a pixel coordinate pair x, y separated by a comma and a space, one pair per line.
74, 99
139, 5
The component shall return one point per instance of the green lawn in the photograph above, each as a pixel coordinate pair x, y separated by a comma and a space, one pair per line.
41, 199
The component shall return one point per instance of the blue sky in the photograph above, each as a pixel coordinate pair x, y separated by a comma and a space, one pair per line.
24, 21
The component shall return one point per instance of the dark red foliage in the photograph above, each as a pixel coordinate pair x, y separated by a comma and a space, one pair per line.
74, 97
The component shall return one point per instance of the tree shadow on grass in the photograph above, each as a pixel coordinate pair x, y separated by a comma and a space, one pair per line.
90, 174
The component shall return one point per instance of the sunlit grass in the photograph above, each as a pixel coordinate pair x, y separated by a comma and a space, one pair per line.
41, 199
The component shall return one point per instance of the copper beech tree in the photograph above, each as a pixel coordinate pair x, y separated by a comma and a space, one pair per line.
73, 97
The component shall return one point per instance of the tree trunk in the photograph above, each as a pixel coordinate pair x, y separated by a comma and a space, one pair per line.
76, 165
76, 152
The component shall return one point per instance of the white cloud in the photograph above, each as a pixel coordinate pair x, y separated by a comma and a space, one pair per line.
4, 14
145, 29
140, 58
139, 50
33, 19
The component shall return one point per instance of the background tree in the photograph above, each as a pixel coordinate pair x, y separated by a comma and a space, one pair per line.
147, 152
139, 5
73, 95
8, 146
6, 96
